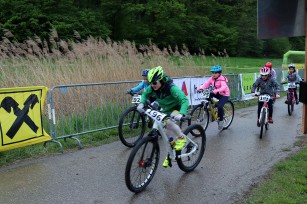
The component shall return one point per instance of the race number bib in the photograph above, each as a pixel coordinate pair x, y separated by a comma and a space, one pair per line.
136, 99
291, 85
155, 115
264, 98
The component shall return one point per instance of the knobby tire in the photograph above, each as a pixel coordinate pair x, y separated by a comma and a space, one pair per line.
131, 127
199, 115
142, 164
189, 163
290, 102
229, 112
262, 121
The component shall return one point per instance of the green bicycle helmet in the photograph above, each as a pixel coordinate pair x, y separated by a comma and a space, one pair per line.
155, 74
216, 68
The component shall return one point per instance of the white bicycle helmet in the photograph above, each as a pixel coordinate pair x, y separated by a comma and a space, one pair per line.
264, 71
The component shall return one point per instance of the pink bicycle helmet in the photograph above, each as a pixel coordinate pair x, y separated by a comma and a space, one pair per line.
264, 71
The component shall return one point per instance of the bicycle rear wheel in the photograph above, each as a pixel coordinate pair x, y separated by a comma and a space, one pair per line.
262, 121
199, 115
131, 127
142, 164
189, 163
229, 112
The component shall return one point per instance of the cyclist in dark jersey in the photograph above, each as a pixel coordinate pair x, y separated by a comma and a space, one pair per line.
292, 76
266, 85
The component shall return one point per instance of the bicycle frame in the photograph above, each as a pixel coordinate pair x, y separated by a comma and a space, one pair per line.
159, 124
264, 112
290, 93
265, 108
265, 98
209, 104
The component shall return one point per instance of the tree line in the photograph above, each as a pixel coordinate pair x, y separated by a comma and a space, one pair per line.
207, 26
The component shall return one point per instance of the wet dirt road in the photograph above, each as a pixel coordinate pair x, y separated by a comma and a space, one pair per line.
234, 160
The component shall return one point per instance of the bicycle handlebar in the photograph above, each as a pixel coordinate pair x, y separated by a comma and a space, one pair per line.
285, 82
272, 97
133, 93
187, 117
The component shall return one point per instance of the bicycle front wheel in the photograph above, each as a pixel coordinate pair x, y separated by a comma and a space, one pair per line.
229, 112
199, 115
290, 104
262, 121
195, 146
131, 127
142, 164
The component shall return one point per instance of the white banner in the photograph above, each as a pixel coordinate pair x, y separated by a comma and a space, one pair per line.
189, 86
184, 84
247, 81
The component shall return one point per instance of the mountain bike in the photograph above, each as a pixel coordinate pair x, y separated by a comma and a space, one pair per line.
264, 113
132, 124
207, 109
290, 96
144, 157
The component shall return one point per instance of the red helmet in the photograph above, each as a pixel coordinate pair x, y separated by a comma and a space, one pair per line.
268, 64
264, 71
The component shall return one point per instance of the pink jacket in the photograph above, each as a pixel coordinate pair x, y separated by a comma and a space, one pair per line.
219, 84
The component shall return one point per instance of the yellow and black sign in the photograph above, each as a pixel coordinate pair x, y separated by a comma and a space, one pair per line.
21, 118
248, 80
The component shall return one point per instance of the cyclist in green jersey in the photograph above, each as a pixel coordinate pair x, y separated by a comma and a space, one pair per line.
171, 99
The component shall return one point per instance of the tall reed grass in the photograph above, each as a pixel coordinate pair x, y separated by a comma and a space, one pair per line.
89, 61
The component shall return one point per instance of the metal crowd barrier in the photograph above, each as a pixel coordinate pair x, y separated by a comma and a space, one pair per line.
79, 109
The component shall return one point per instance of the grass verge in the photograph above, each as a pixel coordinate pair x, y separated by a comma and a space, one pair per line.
287, 183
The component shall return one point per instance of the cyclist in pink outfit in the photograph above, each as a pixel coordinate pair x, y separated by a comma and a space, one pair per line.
220, 91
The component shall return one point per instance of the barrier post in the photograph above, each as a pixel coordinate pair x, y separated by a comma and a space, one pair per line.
304, 120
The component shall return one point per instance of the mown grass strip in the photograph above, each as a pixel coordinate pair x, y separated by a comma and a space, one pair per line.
287, 182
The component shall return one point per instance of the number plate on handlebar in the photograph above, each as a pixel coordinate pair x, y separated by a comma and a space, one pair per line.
136, 99
206, 93
291, 85
264, 98
155, 115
